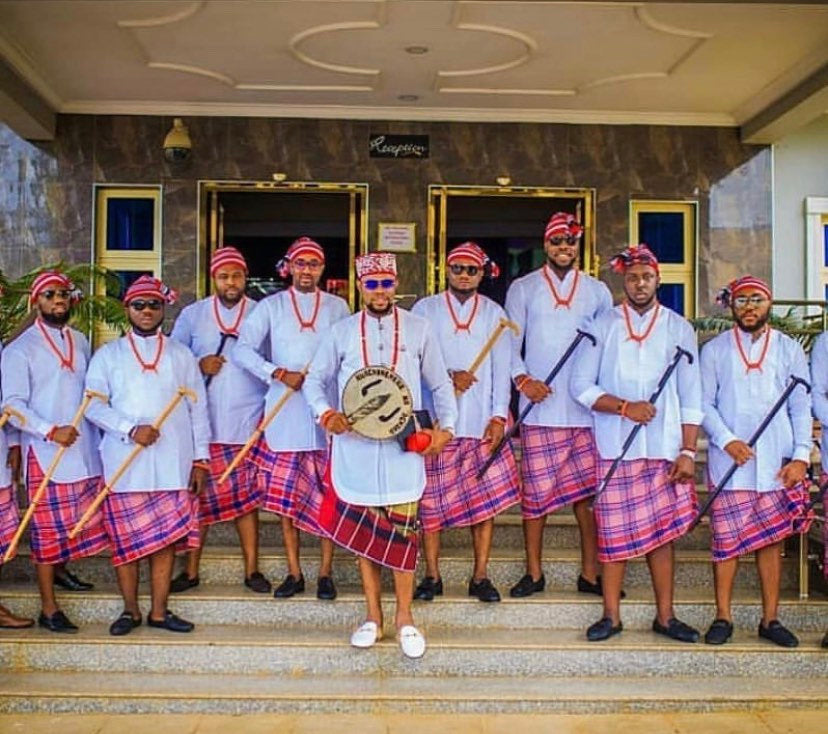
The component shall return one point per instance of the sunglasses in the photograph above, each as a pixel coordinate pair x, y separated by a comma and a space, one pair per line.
742, 301
563, 240
51, 294
372, 285
307, 264
459, 269
139, 305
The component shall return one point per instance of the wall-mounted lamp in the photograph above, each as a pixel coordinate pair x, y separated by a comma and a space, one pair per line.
503, 180
279, 177
177, 144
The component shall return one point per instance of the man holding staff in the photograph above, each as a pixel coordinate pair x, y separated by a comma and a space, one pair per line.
276, 342
463, 322
210, 328
651, 499
371, 504
43, 373
558, 459
150, 506
744, 371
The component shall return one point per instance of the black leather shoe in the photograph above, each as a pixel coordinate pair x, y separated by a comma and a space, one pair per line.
587, 587
182, 582
603, 630
779, 634
124, 624
325, 588
825, 640
720, 632
428, 588
483, 590
171, 622
676, 630
67, 580
258, 583
290, 586
526, 586
58, 622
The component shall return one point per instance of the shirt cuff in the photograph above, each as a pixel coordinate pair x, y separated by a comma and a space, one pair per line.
691, 416
590, 396
267, 370
802, 454
40, 427
724, 438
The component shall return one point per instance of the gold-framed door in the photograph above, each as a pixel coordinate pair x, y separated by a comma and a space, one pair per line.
211, 218
439, 202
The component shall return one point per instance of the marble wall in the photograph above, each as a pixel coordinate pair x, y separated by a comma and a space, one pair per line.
46, 189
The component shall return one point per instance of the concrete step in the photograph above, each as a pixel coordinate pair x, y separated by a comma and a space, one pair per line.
233, 694
221, 605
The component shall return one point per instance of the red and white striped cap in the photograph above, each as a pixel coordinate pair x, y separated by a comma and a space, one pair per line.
376, 263
562, 224
225, 256
474, 252
634, 255
148, 287
304, 246
54, 279
726, 294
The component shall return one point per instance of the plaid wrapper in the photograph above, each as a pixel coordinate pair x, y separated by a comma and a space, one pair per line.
238, 495
141, 523
822, 479
291, 484
557, 466
9, 518
640, 509
454, 497
743, 521
58, 511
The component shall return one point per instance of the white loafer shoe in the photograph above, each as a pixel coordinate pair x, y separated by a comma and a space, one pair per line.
366, 635
412, 642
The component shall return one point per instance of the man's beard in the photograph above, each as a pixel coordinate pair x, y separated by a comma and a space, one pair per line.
378, 312
643, 306
758, 326
55, 319
561, 268
470, 291
230, 301
145, 332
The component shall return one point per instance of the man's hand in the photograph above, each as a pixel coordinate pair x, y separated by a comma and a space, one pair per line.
494, 433
682, 470
640, 411
439, 439
211, 364
534, 390
14, 462
144, 435
198, 479
293, 380
793, 473
65, 435
739, 451
462, 380
337, 423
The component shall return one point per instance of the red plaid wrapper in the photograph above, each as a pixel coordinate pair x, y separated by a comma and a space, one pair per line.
9, 518
640, 509
557, 467
238, 495
141, 523
291, 484
58, 511
823, 478
454, 497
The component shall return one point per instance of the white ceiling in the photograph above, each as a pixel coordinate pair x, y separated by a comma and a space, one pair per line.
616, 62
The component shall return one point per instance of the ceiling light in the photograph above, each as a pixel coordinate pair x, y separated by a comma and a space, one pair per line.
416, 50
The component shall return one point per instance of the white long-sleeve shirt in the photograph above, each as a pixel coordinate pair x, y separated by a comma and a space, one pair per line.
819, 391
273, 337
735, 401
546, 330
138, 396
48, 395
8, 437
631, 370
490, 395
235, 397
372, 472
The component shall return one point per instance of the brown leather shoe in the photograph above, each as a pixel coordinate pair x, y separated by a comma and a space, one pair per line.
11, 621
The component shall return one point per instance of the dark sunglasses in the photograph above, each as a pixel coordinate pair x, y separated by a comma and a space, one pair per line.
372, 285
458, 269
139, 305
50, 294
743, 301
564, 240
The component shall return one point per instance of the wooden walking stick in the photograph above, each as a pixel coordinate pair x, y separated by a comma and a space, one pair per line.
490, 342
88, 397
260, 429
7, 413
180, 394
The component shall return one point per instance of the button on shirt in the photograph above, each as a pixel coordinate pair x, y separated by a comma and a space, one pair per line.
48, 395
631, 370
546, 330
819, 391
273, 337
736, 400
366, 471
234, 397
489, 395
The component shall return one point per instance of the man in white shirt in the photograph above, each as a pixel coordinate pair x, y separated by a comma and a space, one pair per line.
819, 396
43, 373
276, 344
463, 320
558, 457
651, 499
744, 371
153, 506
371, 505
210, 328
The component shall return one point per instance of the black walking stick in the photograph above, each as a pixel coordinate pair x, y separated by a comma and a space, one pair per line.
225, 335
551, 376
638, 426
777, 406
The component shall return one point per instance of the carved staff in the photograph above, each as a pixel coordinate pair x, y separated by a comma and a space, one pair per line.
9, 412
490, 342
225, 335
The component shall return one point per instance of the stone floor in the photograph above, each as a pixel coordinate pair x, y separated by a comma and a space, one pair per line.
775, 721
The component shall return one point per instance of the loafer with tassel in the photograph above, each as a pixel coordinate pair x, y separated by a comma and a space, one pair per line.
676, 630
603, 629
124, 624
171, 622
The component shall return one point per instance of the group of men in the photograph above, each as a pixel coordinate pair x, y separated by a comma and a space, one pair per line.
165, 419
